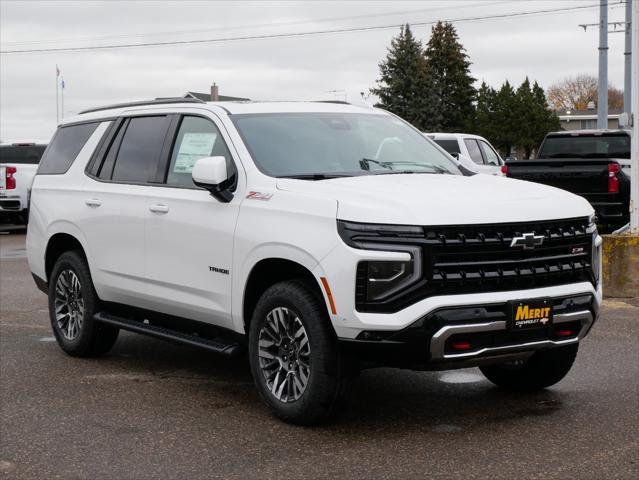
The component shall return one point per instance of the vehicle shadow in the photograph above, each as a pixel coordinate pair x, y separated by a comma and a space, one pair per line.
399, 400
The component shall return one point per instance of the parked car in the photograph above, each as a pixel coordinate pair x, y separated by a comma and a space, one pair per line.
594, 164
320, 238
473, 147
18, 164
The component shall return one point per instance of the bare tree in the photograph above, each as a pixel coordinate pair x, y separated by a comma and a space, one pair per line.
576, 92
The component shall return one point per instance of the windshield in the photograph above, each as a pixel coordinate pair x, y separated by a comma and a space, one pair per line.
328, 145
590, 146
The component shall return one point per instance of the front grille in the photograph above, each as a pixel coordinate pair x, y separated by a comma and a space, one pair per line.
479, 258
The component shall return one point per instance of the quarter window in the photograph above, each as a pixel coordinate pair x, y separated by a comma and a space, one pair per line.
197, 138
65, 146
139, 153
473, 150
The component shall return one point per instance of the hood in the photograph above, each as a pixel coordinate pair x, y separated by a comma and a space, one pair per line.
427, 199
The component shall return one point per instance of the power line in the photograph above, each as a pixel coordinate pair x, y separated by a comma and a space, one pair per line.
255, 25
294, 34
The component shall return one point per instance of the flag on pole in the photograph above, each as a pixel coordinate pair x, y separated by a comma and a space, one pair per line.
63, 83
57, 70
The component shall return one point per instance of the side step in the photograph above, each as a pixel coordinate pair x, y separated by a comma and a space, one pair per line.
223, 346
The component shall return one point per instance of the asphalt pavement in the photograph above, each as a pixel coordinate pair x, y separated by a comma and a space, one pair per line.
156, 410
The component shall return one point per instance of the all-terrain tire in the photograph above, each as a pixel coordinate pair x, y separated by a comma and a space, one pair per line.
329, 381
78, 298
541, 370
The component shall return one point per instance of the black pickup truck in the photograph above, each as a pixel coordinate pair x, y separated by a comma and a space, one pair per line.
592, 163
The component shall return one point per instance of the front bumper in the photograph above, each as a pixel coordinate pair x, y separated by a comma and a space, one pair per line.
429, 343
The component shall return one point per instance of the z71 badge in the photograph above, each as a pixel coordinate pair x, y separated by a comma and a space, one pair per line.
259, 196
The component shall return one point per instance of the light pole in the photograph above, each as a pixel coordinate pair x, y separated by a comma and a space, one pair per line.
602, 84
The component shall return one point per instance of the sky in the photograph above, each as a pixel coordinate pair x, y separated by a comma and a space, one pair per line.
546, 47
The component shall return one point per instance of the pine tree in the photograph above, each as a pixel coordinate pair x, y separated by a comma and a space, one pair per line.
526, 118
505, 117
448, 69
484, 112
403, 87
544, 117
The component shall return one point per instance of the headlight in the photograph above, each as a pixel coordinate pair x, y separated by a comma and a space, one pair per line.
596, 249
592, 225
381, 279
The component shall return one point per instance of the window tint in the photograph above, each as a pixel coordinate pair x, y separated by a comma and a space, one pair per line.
65, 146
491, 156
473, 150
139, 153
21, 154
196, 138
451, 146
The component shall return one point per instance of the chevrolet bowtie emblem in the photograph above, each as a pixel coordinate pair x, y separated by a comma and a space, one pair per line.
527, 241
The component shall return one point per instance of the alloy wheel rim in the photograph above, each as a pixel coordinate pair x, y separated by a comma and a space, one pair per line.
284, 354
69, 304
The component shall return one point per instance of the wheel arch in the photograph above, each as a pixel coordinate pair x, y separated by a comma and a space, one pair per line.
268, 272
57, 244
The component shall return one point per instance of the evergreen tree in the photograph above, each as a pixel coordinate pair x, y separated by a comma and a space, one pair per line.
525, 125
504, 118
448, 70
484, 112
403, 87
544, 117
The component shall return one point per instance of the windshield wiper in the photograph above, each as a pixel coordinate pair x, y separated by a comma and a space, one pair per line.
365, 163
315, 176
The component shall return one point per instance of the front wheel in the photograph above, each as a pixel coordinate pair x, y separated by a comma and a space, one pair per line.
72, 304
295, 361
541, 370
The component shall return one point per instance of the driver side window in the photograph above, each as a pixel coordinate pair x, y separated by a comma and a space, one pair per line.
196, 138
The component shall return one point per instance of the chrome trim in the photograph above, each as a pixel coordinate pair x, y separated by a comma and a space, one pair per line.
438, 341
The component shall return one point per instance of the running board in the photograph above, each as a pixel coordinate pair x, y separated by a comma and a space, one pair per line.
223, 346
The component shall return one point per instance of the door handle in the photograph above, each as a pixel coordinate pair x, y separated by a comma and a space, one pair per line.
93, 202
159, 208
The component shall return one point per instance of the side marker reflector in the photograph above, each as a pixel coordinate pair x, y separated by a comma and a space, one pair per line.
329, 295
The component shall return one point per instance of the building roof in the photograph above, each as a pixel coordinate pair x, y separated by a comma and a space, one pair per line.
206, 97
569, 114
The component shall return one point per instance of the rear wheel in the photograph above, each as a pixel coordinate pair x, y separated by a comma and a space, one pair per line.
541, 370
72, 304
295, 361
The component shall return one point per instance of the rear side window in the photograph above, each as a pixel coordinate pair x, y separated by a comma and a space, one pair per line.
138, 155
65, 146
21, 154
473, 150
451, 146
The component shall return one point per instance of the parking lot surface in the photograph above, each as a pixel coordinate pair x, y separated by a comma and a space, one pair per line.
152, 409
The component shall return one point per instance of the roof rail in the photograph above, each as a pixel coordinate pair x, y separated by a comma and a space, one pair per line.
157, 101
339, 102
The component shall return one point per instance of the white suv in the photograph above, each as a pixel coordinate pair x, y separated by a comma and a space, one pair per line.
320, 238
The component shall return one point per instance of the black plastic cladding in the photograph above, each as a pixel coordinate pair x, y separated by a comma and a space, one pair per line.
478, 258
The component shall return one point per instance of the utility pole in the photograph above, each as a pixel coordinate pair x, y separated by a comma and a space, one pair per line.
602, 95
634, 148
627, 65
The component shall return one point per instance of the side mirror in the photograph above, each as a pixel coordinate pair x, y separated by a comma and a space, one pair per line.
210, 173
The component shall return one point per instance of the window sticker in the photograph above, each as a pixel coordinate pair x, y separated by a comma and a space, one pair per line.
193, 147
